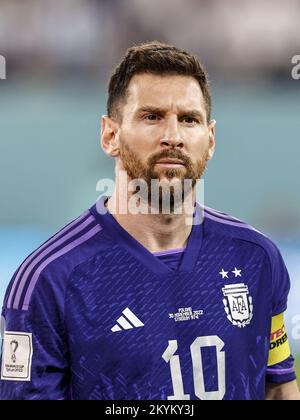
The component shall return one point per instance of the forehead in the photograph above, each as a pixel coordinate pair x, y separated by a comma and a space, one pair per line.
170, 92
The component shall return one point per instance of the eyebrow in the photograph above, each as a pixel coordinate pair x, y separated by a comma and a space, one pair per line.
156, 110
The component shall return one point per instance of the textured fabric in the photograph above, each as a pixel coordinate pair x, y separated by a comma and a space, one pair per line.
282, 372
110, 320
172, 258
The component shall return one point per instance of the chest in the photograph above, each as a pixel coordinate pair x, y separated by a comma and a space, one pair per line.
121, 308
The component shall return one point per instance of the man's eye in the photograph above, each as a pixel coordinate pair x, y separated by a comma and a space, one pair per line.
151, 117
189, 120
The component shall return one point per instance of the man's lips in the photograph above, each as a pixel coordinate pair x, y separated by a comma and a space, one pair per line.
170, 162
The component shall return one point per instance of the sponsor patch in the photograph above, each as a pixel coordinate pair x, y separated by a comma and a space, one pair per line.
17, 356
279, 345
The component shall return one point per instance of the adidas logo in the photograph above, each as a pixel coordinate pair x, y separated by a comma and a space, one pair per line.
124, 323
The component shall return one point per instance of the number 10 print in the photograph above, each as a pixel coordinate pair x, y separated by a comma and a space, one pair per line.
199, 385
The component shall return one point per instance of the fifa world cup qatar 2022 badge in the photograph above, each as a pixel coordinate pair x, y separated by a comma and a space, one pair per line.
16, 356
14, 345
238, 304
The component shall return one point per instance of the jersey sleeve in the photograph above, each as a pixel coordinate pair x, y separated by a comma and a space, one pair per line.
34, 357
281, 362
282, 372
280, 283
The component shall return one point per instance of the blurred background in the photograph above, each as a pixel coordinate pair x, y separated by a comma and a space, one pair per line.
59, 55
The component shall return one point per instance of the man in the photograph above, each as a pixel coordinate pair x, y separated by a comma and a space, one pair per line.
151, 304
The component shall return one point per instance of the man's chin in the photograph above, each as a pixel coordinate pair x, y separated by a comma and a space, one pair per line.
171, 172
169, 176
170, 180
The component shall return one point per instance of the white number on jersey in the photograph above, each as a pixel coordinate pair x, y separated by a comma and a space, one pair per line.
199, 386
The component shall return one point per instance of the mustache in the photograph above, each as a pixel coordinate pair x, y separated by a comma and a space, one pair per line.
171, 154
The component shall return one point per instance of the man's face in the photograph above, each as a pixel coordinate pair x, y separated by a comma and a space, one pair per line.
164, 133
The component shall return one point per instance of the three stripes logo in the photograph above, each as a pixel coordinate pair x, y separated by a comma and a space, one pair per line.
127, 321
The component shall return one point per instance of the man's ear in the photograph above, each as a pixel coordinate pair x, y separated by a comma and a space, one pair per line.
212, 143
110, 136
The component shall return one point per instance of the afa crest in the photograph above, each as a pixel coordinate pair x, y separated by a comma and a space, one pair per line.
238, 304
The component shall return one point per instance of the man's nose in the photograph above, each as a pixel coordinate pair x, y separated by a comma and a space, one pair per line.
171, 136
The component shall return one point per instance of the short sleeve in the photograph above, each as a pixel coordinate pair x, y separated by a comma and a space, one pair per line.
34, 357
282, 372
280, 282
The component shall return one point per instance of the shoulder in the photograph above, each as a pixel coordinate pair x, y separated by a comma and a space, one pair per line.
221, 225
53, 262
226, 225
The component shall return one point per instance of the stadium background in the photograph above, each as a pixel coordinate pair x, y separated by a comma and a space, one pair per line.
59, 55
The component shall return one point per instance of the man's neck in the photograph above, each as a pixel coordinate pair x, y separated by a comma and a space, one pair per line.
156, 232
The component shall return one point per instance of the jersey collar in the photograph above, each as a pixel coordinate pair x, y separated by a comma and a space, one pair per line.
119, 235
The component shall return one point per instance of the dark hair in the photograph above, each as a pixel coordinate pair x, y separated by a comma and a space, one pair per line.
154, 58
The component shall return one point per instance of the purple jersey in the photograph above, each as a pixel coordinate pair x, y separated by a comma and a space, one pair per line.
92, 314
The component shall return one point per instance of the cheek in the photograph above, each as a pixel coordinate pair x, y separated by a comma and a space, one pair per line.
135, 144
142, 141
197, 143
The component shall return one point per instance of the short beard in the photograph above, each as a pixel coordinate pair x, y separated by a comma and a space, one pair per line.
171, 177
